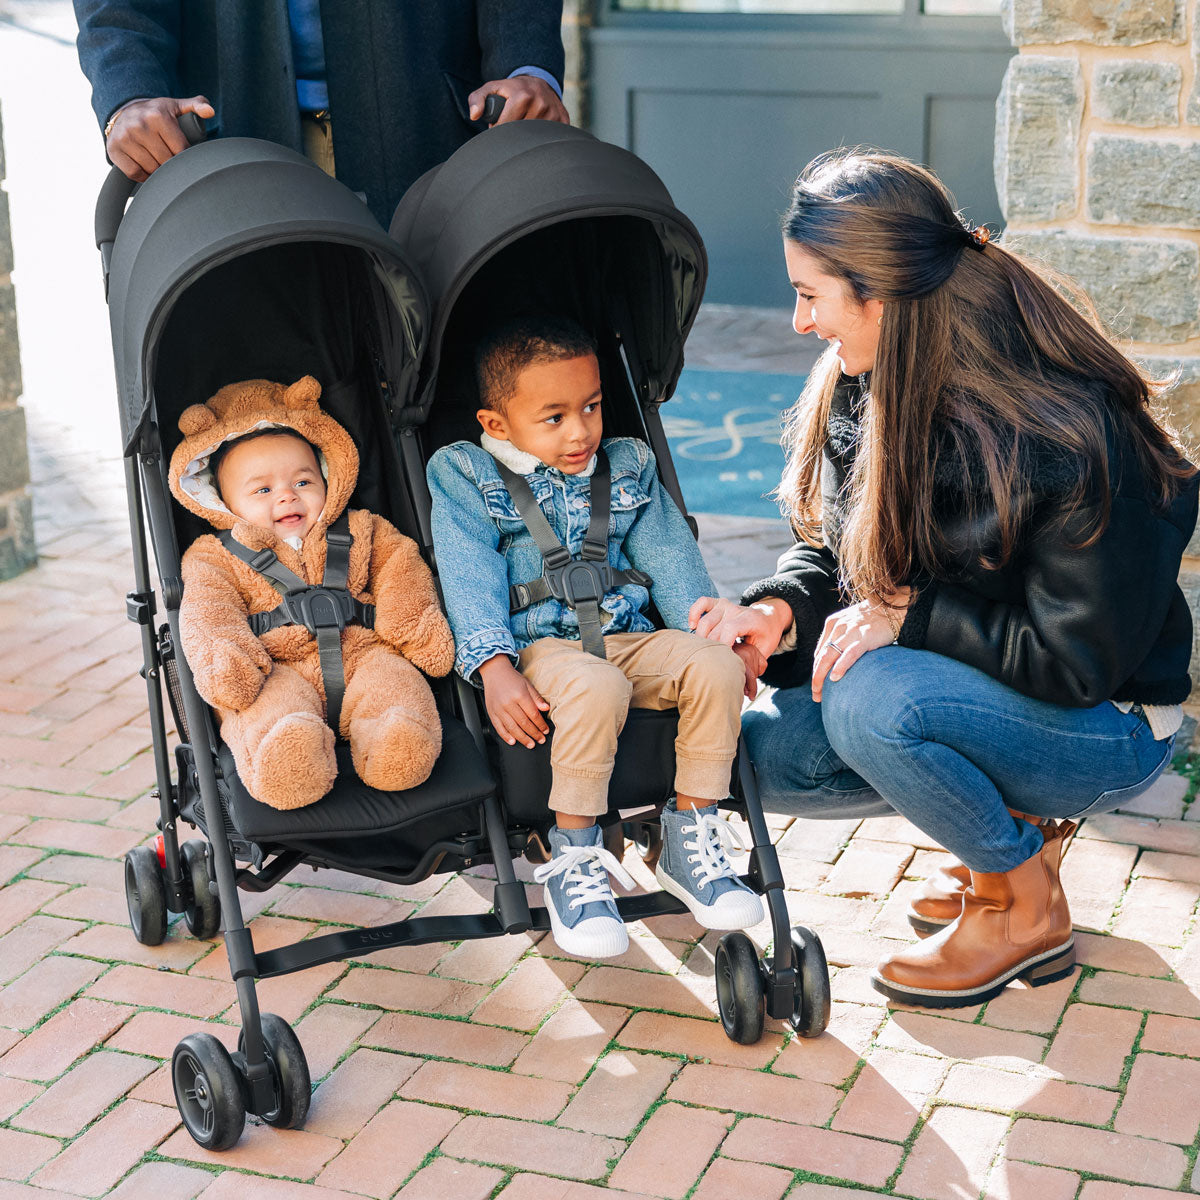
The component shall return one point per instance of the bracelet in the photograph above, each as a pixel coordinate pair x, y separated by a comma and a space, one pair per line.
112, 121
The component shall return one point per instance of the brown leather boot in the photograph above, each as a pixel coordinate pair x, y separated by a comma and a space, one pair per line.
1014, 924
939, 902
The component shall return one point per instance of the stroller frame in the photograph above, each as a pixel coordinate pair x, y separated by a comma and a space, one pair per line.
268, 1075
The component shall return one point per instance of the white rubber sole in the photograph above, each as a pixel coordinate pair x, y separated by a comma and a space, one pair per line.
597, 937
733, 910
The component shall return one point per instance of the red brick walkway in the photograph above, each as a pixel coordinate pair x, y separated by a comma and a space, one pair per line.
498, 1068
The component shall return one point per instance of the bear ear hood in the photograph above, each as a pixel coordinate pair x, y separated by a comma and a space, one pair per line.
247, 407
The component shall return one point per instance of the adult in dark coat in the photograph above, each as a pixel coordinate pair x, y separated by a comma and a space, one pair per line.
406, 78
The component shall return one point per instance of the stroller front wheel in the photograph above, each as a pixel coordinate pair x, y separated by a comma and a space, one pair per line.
740, 997
810, 1015
145, 896
203, 913
208, 1093
289, 1071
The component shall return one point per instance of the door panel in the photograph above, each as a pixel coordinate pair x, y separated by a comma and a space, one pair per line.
728, 118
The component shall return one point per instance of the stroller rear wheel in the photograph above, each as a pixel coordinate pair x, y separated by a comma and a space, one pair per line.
740, 996
810, 1015
208, 1092
146, 896
203, 913
647, 840
289, 1072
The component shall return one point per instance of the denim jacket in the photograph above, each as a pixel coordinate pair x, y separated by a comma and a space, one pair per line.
483, 547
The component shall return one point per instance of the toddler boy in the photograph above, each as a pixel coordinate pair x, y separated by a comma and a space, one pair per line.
539, 382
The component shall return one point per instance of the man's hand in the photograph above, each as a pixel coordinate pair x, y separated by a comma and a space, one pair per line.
526, 97
755, 665
513, 704
145, 133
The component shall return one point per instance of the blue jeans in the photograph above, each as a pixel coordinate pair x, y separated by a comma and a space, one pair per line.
948, 747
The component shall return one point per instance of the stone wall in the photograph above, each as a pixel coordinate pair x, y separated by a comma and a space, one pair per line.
1098, 172
17, 549
577, 21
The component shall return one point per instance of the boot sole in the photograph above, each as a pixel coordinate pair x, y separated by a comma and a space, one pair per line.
1037, 970
927, 925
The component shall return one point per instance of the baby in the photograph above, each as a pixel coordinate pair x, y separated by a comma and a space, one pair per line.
539, 382
264, 463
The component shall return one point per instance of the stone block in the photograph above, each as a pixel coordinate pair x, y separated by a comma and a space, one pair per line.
10, 347
1182, 400
1147, 289
1038, 116
2, 175
18, 551
6, 252
1192, 113
1139, 181
1130, 91
14, 456
1100, 22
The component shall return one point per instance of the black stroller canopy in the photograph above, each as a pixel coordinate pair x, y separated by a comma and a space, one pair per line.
219, 202
643, 261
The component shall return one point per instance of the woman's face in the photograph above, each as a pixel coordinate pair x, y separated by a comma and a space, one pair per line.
825, 307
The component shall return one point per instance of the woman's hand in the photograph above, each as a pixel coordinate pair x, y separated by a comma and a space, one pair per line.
762, 624
849, 634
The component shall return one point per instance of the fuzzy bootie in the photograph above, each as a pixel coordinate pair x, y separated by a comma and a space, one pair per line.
396, 750
294, 764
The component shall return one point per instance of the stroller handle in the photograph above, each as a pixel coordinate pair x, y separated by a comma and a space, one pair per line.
493, 106
118, 187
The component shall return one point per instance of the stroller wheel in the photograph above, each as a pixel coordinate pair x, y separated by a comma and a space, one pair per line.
810, 1013
146, 895
203, 913
207, 1091
289, 1072
740, 998
647, 838
614, 839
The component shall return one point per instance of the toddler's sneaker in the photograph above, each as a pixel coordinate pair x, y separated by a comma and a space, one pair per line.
694, 868
583, 912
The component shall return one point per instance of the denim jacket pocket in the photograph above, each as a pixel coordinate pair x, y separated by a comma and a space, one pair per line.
502, 508
1107, 801
628, 495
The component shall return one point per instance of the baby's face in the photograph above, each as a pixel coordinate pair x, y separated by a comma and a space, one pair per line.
273, 482
554, 413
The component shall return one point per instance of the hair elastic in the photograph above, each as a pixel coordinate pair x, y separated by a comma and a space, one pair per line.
980, 235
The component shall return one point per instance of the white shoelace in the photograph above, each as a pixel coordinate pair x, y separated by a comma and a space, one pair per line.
585, 887
717, 837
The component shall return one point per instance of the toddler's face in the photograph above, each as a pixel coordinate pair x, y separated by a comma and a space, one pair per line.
273, 482
554, 413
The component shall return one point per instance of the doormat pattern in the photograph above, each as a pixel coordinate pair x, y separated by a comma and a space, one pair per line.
723, 428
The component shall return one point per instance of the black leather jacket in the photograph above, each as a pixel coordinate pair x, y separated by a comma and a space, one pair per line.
1066, 625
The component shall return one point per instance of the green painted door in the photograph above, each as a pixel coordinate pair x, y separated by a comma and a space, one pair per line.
728, 99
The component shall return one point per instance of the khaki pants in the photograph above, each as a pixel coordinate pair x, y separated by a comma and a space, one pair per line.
318, 140
590, 697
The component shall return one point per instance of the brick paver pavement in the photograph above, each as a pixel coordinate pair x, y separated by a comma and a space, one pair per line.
500, 1068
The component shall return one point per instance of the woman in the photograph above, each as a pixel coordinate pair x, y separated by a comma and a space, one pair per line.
980, 627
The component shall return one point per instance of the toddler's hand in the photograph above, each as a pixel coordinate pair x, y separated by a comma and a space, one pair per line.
513, 704
754, 663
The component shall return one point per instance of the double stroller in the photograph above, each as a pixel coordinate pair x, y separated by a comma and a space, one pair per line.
240, 259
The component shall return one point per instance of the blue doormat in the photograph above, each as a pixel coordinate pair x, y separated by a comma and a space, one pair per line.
723, 429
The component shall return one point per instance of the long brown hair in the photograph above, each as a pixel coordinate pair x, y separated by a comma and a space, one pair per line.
975, 347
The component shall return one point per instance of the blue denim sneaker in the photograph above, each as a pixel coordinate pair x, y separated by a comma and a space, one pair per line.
583, 913
694, 868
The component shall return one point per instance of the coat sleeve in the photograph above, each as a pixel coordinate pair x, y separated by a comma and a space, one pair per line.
806, 579
520, 33
128, 50
229, 664
1089, 615
408, 615
473, 571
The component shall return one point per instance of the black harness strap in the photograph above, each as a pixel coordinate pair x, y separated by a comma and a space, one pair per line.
579, 582
324, 610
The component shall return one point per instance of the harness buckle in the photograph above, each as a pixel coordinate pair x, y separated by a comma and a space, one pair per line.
317, 608
578, 581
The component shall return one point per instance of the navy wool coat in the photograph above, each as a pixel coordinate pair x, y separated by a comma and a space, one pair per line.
399, 71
